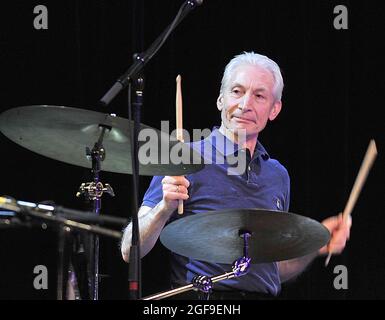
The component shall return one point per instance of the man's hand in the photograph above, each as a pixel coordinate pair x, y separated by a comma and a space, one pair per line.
174, 189
340, 233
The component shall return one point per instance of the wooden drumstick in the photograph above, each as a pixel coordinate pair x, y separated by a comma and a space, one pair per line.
366, 165
179, 123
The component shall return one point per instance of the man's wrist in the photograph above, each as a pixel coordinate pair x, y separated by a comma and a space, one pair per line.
164, 210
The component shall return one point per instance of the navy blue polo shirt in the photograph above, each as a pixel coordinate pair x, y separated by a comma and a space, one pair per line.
264, 183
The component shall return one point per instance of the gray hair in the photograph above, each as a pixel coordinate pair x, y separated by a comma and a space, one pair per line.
255, 59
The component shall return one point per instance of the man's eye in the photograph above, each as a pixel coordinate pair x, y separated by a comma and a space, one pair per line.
236, 91
259, 96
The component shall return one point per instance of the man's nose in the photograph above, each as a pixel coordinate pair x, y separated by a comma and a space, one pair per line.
245, 103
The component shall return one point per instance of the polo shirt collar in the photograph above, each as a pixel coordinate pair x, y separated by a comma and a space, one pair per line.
226, 147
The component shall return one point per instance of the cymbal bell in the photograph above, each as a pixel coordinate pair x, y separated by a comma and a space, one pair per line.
215, 236
64, 133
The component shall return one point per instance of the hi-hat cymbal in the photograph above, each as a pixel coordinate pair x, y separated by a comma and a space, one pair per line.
214, 236
63, 133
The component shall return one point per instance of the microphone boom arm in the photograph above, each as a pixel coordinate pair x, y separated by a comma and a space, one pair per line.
142, 59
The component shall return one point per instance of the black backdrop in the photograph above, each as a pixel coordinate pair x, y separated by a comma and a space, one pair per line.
332, 108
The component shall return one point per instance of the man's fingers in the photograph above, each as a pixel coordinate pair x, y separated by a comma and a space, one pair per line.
338, 241
177, 180
175, 196
345, 228
336, 248
175, 188
339, 229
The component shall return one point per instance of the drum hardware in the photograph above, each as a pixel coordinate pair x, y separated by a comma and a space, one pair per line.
72, 259
256, 235
63, 133
219, 236
204, 284
59, 216
36, 133
92, 190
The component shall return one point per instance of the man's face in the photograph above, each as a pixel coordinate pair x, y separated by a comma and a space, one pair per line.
247, 101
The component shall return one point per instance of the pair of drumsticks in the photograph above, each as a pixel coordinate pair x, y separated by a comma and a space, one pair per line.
366, 165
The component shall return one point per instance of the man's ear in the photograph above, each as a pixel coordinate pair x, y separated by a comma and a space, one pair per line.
275, 110
220, 102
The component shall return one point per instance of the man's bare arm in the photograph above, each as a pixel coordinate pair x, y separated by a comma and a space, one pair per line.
152, 220
151, 223
289, 269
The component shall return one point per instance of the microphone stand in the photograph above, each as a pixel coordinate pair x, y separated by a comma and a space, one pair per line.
140, 60
135, 268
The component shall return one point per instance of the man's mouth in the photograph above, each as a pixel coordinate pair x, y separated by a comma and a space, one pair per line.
243, 119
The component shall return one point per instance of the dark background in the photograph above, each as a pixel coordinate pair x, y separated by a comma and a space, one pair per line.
332, 107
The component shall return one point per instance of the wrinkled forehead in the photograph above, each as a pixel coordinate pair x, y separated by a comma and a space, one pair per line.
251, 76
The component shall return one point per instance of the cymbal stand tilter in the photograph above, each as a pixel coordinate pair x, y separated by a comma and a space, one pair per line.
204, 284
93, 191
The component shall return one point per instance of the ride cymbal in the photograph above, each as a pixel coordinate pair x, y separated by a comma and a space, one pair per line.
215, 236
64, 133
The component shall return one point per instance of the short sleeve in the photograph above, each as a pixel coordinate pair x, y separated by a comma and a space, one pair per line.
154, 193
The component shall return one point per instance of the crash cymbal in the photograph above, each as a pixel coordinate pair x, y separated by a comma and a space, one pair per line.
214, 236
63, 133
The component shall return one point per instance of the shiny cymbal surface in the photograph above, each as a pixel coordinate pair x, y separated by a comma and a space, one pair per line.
214, 236
63, 133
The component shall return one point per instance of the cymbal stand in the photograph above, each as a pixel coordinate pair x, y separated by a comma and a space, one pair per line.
93, 191
204, 284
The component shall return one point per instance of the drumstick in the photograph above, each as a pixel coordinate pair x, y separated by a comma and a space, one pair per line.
179, 123
366, 165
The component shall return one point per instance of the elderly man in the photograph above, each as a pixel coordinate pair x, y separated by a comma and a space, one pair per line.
249, 97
